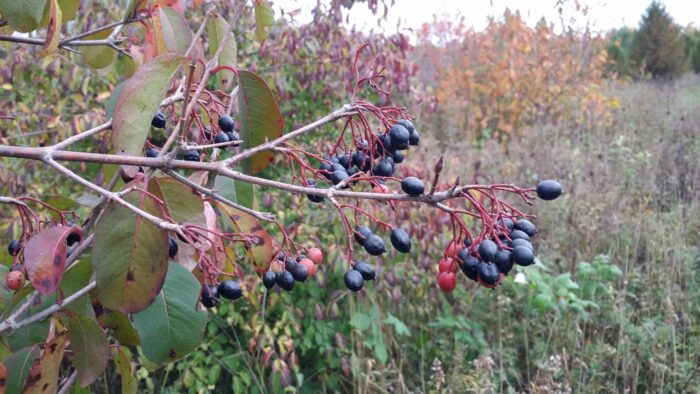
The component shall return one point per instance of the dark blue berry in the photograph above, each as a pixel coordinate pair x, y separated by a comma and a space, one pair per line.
353, 280
159, 120
226, 123
230, 289
412, 186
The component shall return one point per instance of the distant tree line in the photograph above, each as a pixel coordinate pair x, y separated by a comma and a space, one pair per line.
659, 48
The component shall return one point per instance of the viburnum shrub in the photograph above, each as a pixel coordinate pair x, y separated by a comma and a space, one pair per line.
178, 236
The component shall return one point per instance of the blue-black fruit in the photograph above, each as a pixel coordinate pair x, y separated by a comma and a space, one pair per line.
289, 263
312, 197
300, 272
412, 186
285, 280
463, 254
345, 160
230, 289
209, 296
225, 123
523, 256
337, 167
152, 152
519, 234
549, 190
269, 279
399, 137
414, 138
503, 261
339, 176
361, 233
326, 170
397, 156
522, 242
361, 161
385, 143
383, 168
159, 120
73, 238
400, 240
487, 250
469, 266
172, 247
507, 223
407, 124
13, 247
374, 245
353, 280
233, 136
191, 155
488, 273
365, 270
352, 171
526, 226
221, 138
468, 242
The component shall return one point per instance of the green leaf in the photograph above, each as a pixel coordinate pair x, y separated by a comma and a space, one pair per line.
240, 192
217, 27
130, 255
122, 361
175, 33
22, 15
111, 102
18, 365
122, 329
90, 349
98, 56
138, 101
172, 326
261, 119
77, 277
399, 327
35, 332
260, 249
360, 321
263, 18
182, 203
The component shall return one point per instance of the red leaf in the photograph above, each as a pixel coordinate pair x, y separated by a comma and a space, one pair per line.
45, 257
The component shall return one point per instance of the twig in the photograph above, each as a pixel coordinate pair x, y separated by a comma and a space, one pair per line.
69, 383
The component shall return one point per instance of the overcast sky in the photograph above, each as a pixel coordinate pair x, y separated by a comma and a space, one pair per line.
604, 14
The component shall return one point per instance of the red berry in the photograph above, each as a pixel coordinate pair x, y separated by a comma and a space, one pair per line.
15, 280
447, 281
310, 266
452, 249
447, 265
315, 255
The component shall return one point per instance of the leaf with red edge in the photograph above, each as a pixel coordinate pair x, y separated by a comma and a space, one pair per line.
260, 249
261, 119
173, 35
45, 257
90, 349
138, 101
43, 377
130, 254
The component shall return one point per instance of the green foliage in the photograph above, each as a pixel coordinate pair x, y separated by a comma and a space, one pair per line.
658, 48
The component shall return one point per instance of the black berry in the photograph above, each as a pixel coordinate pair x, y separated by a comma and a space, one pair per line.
463, 254
407, 124
230, 289
487, 250
233, 136
289, 263
221, 138
361, 161
159, 120
269, 279
191, 155
503, 261
526, 226
507, 223
339, 176
300, 272
399, 137
523, 256
312, 197
383, 168
152, 152
210, 296
285, 280
397, 156
361, 233
414, 138
522, 242
400, 240
345, 160
518, 234
549, 190
468, 242
325, 170
412, 186
172, 247
226, 123
374, 245
365, 269
488, 273
14, 247
469, 266
353, 280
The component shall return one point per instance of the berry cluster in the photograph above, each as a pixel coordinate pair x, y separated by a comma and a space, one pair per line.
355, 278
226, 134
229, 289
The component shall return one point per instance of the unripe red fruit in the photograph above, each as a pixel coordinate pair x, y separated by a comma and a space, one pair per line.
452, 249
447, 281
15, 280
315, 255
447, 265
310, 266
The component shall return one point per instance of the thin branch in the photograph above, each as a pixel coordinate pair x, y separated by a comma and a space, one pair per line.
81, 136
65, 388
102, 28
